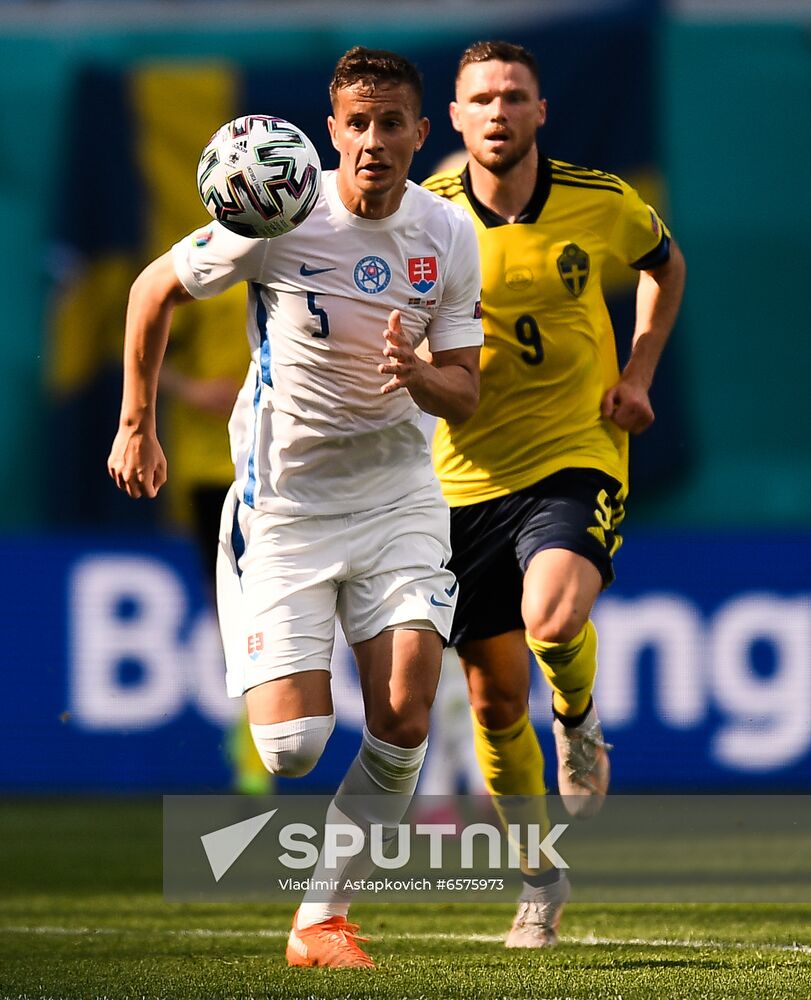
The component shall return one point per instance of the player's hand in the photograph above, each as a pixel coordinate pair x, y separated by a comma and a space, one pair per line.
137, 464
628, 405
401, 361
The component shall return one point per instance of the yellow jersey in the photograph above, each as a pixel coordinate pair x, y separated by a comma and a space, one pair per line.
549, 350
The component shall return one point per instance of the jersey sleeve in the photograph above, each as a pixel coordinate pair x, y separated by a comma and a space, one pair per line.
457, 322
212, 259
640, 237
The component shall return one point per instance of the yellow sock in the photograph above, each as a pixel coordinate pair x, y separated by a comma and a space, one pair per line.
511, 763
570, 667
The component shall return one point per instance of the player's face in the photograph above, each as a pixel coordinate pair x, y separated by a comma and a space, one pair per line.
498, 110
376, 131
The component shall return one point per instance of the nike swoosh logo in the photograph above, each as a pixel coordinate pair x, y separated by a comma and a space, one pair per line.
307, 272
450, 592
438, 604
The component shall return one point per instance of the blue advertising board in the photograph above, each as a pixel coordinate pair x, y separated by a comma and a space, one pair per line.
113, 676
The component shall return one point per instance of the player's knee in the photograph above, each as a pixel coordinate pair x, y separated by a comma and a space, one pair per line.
498, 698
402, 722
499, 710
552, 633
292, 749
399, 730
560, 624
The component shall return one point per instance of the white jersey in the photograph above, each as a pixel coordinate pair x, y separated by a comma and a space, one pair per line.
311, 432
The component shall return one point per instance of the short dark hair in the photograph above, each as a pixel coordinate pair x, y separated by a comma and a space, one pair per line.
369, 67
503, 52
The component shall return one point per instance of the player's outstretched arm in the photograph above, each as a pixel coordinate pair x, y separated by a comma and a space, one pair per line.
447, 386
137, 463
658, 298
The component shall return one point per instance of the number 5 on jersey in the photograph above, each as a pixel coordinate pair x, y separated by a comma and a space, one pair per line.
323, 331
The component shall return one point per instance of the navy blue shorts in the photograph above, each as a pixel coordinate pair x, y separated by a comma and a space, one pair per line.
493, 541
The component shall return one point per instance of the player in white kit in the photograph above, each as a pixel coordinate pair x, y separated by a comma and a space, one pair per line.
335, 510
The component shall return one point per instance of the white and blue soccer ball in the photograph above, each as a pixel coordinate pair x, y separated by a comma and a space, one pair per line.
259, 176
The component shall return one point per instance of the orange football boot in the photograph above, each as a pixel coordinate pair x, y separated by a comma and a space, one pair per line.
330, 944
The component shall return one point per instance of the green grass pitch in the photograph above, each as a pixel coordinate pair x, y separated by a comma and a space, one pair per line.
82, 916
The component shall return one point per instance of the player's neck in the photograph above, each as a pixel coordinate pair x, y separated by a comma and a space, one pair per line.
506, 194
369, 206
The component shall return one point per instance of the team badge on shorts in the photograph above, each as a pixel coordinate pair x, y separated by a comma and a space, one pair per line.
573, 267
256, 643
422, 273
203, 237
372, 275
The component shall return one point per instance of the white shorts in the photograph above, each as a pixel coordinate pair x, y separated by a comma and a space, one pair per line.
282, 582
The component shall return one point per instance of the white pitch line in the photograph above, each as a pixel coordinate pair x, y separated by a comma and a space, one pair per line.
804, 949
587, 940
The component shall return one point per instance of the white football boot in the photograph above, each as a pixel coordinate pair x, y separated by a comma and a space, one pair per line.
583, 767
536, 922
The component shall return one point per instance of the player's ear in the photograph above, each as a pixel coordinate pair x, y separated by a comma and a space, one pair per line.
542, 112
453, 110
423, 128
333, 132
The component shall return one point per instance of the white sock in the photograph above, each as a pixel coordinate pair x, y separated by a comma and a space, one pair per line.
386, 776
537, 893
292, 748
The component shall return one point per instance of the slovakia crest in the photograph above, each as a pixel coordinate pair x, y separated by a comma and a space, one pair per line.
422, 273
202, 237
256, 643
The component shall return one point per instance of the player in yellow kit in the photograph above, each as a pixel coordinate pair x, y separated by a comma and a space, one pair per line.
537, 478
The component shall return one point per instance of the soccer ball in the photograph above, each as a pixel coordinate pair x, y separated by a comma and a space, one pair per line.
259, 176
